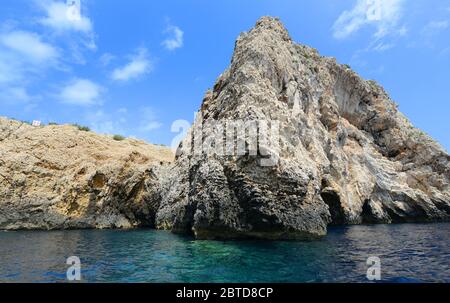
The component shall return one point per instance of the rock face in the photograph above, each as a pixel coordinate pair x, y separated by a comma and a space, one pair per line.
344, 153
58, 177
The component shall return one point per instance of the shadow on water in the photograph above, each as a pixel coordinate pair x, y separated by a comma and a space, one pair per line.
410, 252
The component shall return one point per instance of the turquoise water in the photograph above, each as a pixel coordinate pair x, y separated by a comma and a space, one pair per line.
408, 253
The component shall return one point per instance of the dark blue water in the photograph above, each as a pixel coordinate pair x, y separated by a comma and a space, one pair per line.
408, 253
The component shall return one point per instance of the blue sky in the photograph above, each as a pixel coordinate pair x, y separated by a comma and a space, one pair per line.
133, 67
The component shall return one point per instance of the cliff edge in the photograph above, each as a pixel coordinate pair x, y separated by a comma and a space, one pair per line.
59, 177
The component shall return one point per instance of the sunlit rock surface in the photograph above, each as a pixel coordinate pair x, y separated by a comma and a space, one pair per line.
58, 177
346, 155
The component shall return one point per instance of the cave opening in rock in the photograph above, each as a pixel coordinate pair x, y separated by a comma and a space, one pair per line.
333, 201
368, 217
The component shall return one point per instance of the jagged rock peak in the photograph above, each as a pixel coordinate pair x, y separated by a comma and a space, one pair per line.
274, 25
345, 154
267, 34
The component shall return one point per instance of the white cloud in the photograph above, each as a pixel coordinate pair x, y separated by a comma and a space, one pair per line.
176, 38
384, 15
81, 92
74, 30
29, 46
23, 57
137, 67
58, 17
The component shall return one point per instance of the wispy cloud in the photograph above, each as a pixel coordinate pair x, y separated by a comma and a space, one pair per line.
15, 95
149, 121
434, 27
70, 25
81, 92
175, 38
23, 56
151, 125
105, 123
29, 46
381, 47
106, 59
384, 15
138, 66
116, 121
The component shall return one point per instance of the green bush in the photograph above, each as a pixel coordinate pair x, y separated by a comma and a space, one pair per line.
118, 138
82, 128
52, 123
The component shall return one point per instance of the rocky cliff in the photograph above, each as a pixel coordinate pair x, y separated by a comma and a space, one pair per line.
342, 154
58, 177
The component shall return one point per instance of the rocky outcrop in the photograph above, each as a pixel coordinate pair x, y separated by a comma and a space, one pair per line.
343, 152
58, 177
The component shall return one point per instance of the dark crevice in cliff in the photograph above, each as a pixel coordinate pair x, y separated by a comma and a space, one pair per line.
367, 214
333, 201
442, 206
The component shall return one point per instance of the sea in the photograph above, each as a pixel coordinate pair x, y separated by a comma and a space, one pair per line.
404, 253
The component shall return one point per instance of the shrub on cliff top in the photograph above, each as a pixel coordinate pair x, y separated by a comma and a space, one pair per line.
118, 138
82, 128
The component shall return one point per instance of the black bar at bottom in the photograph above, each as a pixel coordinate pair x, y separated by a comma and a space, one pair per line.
360, 293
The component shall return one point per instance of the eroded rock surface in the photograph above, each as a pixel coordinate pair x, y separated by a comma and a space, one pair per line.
58, 177
346, 153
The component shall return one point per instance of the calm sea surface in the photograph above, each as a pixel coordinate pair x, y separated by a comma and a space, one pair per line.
408, 253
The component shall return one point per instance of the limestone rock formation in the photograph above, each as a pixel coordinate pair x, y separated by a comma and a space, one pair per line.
346, 155
58, 177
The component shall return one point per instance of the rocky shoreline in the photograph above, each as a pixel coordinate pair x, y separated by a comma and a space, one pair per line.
343, 154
